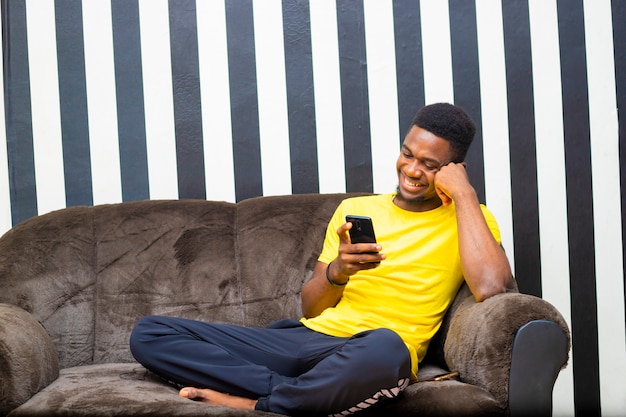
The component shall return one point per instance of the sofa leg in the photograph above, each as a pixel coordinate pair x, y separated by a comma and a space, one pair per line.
540, 349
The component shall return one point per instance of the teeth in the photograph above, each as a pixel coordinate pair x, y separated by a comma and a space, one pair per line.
412, 184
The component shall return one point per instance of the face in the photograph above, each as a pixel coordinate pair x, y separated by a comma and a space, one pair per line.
421, 157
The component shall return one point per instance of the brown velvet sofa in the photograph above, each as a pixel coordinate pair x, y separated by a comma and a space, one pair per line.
74, 282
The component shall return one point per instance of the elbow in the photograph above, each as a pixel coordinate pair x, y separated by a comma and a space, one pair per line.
308, 309
307, 313
488, 290
484, 294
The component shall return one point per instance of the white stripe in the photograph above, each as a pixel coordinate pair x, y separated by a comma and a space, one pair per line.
551, 184
46, 112
101, 102
215, 97
383, 95
272, 93
5, 191
495, 125
606, 204
436, 49
158, 99
326, 80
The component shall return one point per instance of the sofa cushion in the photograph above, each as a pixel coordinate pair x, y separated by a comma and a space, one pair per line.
162, 257
89, 273
115, 390
46, 268
440, 398
278, 242
127, 389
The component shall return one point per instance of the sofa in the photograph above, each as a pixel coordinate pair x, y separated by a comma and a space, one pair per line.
74, 282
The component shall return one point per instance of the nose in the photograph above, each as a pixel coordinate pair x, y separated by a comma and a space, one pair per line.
414, 169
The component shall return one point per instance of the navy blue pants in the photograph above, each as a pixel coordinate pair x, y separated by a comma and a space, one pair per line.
287, 367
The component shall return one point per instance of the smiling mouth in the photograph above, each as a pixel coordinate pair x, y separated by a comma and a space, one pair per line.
412, 184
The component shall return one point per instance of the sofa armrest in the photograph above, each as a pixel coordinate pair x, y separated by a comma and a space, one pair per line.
28, 359
481, 337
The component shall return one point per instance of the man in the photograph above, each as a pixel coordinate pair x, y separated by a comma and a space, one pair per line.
370, 309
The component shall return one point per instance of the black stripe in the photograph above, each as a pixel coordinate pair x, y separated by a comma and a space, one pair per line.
579, 207
73, 102
130, 107
187, 107
619, 45
522, 146
300, 96
19, 128
409, 61
354, 96
244, 99
464, 42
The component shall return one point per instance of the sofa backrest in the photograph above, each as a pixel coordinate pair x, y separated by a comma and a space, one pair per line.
88, 273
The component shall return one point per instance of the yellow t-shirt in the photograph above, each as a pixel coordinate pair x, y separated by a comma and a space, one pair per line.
410, 291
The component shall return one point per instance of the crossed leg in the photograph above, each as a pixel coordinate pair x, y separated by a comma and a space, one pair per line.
285, 370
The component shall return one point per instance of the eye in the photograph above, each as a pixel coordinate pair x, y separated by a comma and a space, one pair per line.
430, 166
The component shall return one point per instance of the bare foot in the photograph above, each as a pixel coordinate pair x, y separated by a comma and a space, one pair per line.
210, 396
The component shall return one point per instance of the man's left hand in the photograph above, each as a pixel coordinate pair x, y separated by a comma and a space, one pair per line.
451, 180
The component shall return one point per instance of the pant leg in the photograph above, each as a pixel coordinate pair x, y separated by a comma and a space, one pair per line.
369, 367
243, 361
290, 370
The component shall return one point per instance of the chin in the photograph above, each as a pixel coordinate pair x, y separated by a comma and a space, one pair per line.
408, 200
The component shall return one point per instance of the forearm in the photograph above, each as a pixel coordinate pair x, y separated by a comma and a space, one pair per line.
325, 288
318, 294
485, 266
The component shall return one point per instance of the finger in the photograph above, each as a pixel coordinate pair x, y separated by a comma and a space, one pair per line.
369, 265
446, 200
344, 237
367, 252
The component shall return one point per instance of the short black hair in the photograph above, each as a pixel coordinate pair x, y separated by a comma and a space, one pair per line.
449, 122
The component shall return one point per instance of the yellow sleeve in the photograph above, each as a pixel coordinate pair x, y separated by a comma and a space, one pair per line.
491, 223
331, 241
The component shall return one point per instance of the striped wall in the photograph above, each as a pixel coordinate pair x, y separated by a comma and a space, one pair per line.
117, 100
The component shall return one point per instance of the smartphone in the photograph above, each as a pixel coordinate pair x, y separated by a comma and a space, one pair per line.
362, 229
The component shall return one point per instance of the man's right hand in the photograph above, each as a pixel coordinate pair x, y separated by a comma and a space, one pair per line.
318, 293
354, 257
